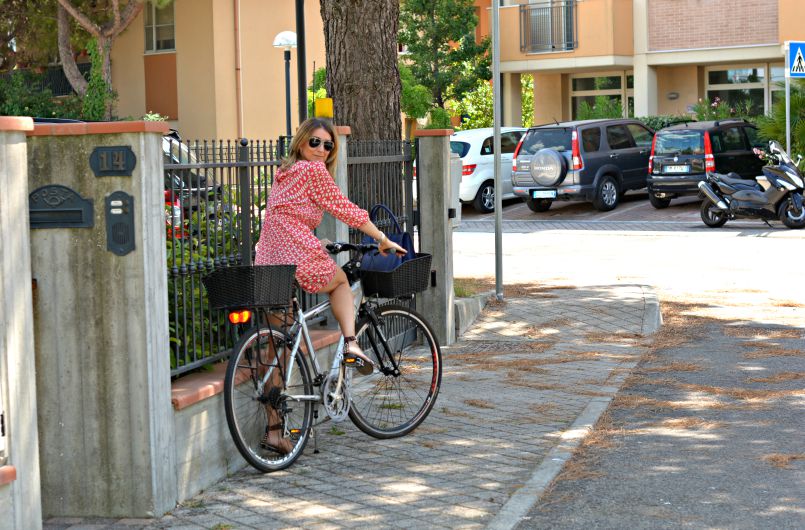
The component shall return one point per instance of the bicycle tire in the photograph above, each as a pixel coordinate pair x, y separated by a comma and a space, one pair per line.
247, 415
385, 405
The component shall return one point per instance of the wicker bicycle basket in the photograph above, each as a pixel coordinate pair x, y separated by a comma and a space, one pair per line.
244, 287
410, 277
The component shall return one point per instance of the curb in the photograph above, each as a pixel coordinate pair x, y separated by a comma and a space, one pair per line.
652, 316
466, 310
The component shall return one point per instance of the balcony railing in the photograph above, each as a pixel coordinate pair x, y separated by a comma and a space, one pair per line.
548, 27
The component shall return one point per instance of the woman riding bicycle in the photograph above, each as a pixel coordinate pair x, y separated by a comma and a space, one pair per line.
302, 191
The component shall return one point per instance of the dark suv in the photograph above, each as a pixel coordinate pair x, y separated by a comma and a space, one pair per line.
589, 160
682, 154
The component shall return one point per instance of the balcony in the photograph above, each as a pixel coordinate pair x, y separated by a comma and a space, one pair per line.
548, 27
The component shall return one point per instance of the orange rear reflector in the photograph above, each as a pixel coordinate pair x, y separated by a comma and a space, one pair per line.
240, 317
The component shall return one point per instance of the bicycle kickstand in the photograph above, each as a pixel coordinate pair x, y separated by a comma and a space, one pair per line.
315, 440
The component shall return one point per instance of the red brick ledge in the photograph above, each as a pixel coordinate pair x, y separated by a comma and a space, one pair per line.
197, 387
433, 132
16, 123
8, 474
102, 127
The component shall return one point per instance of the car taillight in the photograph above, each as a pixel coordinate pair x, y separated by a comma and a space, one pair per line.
516, 151
468, 169
651, 158
414, 171
709, 159
577, 162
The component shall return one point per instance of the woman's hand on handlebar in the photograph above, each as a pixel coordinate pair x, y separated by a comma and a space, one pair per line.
387, 245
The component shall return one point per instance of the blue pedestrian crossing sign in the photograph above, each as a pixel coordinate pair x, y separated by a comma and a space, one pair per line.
796, 59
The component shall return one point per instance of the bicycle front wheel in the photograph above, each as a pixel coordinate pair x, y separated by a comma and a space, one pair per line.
255, 403
402, 390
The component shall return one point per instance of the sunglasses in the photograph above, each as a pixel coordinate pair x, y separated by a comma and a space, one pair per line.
315, 142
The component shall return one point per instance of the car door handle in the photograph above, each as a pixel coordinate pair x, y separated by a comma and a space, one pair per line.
643, 151
614, 155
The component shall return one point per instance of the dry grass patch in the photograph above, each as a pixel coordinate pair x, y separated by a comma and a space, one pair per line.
755, 332
676, 366
517, 379
479, 403
456, 413
613, 337
761, 351
429, 444
542, 408
781, 460
744, 394
688, 424
782, 377
632, 401
787, 303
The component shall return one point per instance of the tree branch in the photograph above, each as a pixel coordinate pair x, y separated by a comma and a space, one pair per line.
81, 18
71, 71
131, 11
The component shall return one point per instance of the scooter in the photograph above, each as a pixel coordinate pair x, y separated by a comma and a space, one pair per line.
777, 194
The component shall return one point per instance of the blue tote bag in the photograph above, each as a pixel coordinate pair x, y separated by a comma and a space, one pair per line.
374, 260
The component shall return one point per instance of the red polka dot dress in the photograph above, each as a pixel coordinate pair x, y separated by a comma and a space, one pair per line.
296, 204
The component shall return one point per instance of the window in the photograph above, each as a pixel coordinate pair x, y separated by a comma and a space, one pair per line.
591, 139
752, 136
508, 142
756, 87
615, 91
732, 139
618, 137
159, 28
460, 148
642, 136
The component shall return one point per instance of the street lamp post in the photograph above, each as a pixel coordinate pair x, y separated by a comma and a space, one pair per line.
286, 40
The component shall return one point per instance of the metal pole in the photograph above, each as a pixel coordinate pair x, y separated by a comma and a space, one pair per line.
245, 204
301, 74
496, 127
787, 99
287, 92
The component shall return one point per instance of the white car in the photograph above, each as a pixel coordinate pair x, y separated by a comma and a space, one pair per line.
475, 147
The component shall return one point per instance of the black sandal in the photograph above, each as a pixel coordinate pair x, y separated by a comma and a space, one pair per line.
355, 358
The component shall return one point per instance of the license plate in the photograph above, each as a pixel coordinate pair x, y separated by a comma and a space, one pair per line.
677, 169
543, 194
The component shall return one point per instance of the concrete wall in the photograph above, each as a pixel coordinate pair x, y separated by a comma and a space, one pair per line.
101, 329
20, 498
685, 81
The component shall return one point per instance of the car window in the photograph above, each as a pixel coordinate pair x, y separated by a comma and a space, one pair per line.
554, 138
618, 137
508, 142
732, 139
679, 142
752, 136
460, 148
488, 147
642, 136
591, 139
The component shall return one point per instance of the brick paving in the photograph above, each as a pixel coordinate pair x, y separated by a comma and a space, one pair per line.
512, 386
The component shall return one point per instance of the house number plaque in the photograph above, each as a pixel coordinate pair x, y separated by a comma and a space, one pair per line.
112, 161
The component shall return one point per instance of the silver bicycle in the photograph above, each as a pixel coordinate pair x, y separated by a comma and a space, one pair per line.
273, 383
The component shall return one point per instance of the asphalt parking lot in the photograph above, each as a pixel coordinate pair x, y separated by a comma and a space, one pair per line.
634, 206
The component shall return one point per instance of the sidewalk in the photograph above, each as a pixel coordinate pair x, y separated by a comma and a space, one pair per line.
519, 390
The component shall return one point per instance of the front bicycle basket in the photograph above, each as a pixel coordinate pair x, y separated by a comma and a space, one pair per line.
410, 277
257, 286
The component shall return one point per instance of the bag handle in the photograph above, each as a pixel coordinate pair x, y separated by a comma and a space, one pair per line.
377, 207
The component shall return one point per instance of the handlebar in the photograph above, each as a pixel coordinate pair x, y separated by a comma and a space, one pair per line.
337, 247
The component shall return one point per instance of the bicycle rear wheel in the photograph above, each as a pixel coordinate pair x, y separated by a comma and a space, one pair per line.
401, 392
251, 405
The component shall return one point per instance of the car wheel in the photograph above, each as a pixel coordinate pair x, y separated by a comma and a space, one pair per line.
539, 205
712, 216
786, 214
485, 198
657, 202
606, 194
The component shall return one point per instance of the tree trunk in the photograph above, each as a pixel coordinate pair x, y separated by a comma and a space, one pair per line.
71, 71
362, 77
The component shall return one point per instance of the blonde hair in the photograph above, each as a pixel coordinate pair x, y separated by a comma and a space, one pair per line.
303, 134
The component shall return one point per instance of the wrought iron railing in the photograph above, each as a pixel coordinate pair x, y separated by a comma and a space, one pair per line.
215, 198
549, 27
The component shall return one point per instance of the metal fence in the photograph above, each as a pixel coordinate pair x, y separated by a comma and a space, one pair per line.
215, 198
549, 26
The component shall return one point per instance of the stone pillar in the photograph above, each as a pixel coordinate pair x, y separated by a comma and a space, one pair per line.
330, 228
512, 100
645, 76
435, 230
101, 322
20, 492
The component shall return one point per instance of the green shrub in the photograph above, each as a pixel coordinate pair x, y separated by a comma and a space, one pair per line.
664, 120
439, 119
603, 107
19, 98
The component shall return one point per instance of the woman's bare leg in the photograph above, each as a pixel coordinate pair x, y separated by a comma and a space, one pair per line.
342, 303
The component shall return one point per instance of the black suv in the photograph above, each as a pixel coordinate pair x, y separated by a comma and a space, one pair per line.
589, 160
682, 154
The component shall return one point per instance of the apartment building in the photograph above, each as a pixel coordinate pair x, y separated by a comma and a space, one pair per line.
653, 56
209, 65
